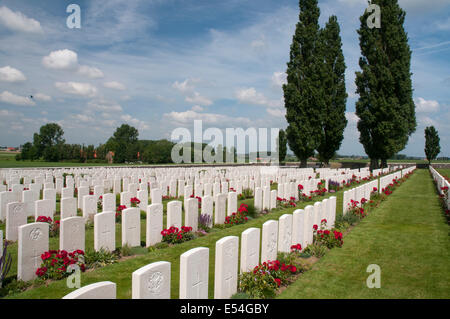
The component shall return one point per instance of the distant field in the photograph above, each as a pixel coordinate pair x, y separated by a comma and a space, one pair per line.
8, 160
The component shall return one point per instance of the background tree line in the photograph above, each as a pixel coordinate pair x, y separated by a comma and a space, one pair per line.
124, 146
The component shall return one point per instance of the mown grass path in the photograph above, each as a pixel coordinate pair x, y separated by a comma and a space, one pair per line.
407, 236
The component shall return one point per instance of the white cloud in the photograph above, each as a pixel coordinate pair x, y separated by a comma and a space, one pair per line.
10, 74
427, 121
140, 125
424, 106
276, 112
114, 85
278, 79
17, 21
91, 72
352, 118
196, 98
197, 108
186, 86
104, 105
188, 117
251, 96
61, 59
42, 97
76, 88
11, 98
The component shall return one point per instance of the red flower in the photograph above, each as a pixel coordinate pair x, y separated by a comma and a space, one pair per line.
315, 227
278, 281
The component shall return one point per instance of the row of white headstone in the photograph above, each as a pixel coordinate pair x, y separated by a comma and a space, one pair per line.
357, 194
72, 229
153, 281
441, 183
365, 190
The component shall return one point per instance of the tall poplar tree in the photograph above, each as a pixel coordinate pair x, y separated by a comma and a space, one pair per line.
385, 107
282, 146
303, 95
432, 147
334, 93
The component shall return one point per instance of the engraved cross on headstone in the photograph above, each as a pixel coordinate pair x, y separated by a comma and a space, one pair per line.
196, 285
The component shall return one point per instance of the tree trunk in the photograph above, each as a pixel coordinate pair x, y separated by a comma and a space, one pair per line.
303, 163
373, 163
384, 163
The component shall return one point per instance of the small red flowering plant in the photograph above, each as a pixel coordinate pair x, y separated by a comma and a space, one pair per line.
264, 280
174, 235
119, 210
134, 202
54, 225
324, 237
55, 263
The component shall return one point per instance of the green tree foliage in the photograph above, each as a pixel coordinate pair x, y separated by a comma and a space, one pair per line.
385, 106
333, 90
124, 144
282, 146
432, 147
156, 152
29, 152
49, 142
303, 95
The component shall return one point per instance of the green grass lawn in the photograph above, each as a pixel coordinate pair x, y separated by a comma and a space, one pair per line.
444, 171
407, 236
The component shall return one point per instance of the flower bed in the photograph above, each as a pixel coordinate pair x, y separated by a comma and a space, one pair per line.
56, 262
173, 235
54, 225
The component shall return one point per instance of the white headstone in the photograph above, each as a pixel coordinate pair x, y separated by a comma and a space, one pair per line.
219, 212
226, 267
33, 242
269, 240
109, 202
298, 227
194, 274
156, 196
43, 207
28, 198
174, 214
131, 227
105, 231
232, 203
89, 206
309, 222
151, 281
81, 192
72, 234
99, 290
250, 249
68, 207
154, 224
15, 216
191, 214
285, 233
258, 199
125, 199
207, 207
142, 195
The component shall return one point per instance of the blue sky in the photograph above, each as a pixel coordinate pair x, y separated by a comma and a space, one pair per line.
160, 64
